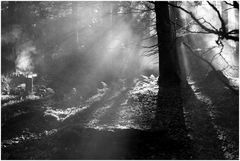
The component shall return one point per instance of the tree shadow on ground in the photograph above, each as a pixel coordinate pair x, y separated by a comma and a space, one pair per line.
74, 141
224, 113
117, 144
211, 121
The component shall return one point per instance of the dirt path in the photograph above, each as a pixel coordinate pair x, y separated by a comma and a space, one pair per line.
109, 125
117, 123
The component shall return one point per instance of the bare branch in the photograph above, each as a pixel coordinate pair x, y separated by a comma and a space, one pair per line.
152, 46
150, 53
150, 37
219, 16
194, 18
213, 68
204, 21
222, 33
235, 4
234, 31
217, 54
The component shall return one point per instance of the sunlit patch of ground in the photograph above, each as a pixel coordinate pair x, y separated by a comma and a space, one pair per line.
97, 115
27, 136
7, 97
132, 108
11, 100
60, 114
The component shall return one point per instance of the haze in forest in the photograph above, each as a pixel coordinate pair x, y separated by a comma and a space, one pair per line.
120, 79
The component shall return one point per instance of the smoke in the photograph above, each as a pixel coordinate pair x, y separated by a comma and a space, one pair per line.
24, 62
18, 49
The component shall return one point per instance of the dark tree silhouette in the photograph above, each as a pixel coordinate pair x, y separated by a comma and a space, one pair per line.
168, 60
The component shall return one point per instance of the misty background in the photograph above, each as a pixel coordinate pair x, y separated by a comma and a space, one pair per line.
79, 44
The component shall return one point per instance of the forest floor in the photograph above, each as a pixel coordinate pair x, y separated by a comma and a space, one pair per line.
123, 122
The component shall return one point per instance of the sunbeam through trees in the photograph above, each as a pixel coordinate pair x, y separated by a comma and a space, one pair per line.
120, 80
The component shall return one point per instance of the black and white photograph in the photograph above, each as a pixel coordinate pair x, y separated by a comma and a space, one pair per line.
120, 80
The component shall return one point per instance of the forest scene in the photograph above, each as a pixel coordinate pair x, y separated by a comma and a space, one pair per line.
120, 80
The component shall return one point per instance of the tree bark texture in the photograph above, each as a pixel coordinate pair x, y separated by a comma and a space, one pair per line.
168, 60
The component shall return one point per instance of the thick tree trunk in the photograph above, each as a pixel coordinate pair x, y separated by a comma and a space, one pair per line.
168, 60
170, 109
177, 20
